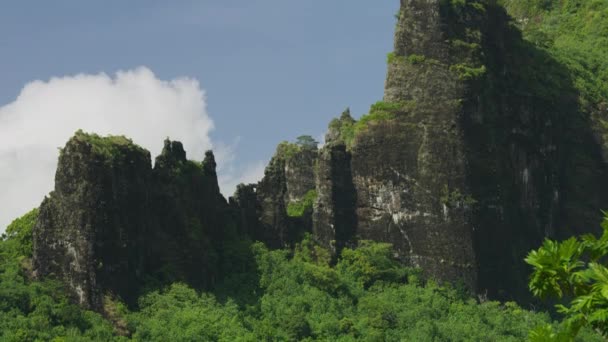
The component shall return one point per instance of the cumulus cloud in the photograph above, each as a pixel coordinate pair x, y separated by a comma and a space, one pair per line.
134, 103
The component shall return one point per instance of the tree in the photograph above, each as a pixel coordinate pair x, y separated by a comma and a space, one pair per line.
573, 271
306, 141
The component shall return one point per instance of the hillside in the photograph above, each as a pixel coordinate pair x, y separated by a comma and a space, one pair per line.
411, 222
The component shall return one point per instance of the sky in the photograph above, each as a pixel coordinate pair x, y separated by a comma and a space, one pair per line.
235, 76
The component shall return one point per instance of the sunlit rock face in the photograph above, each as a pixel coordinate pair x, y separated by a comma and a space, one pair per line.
408, 173
482, 156
90, 229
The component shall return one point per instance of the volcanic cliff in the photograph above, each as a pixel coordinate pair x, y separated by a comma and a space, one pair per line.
478, 150
113, 220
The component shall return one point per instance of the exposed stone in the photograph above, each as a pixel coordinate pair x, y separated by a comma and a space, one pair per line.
288, 179
334, 218
112, 219
409, 172
90, 230
188, 216
466, 165
481, 164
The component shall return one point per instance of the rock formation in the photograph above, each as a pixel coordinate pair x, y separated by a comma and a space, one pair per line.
278, 210
334, 216
466, 165
473, 157
112, 219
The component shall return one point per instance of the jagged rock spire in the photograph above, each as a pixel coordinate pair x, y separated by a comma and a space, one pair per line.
112, 219
172, 154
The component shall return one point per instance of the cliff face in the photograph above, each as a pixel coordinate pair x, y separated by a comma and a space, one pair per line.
410, 171
478, 151
334, 217
90, 230
406, 159
189, 218
278, 210
112, 219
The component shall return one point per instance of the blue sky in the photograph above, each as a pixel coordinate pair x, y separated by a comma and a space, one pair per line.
271, 69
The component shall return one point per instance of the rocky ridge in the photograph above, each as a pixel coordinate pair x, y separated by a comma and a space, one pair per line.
113, 220
466, 164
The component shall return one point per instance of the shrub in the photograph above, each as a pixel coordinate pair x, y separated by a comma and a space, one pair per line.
298, 208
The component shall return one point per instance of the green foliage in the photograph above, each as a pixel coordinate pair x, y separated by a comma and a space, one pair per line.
416, 59
298, 208
573, 270
367, 119
412, 59
344, 126
392, 58
392, 107
39, 311
108, 146
455, 198
366, 294
462, 45
295, 295
181, 314
18, 235
369, 296
467, 72
287, 150
379, 111
575, 32
382, 111
347, 132
307, 142
372, 262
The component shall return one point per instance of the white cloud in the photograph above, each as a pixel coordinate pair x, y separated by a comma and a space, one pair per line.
134, 103
250, 173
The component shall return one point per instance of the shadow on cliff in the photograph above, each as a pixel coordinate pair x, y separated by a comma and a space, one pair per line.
532, 158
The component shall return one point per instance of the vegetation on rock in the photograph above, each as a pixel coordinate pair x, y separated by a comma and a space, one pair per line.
298, 208
18, 235
286, 295
288, 150
490, 129
347, 128
574, 32
106, 146
307, 142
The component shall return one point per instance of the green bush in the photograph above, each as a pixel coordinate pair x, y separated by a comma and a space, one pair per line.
108, 146
287, 150
17, 238
416, 59
179, 313
467, 72
299, 295
575, 32
382, 111
298, 208
573, 270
